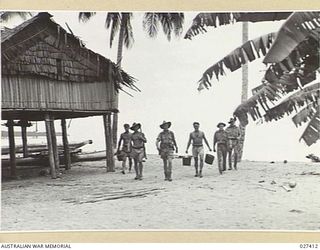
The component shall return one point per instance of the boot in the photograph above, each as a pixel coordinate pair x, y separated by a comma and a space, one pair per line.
165, 176
197, 174
136, 168
169, 176
140, 171
200, 174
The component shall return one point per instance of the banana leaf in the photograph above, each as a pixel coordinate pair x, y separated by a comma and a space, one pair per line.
248, 52
264, 95
296, 29
267, 94
312, 131
203, 20
305, 114
310, 94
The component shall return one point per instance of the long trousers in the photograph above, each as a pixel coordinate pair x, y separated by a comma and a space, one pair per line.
222, 157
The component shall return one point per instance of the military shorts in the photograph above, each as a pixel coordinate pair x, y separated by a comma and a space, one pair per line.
166, 153
125, 152
137, 154
197, 151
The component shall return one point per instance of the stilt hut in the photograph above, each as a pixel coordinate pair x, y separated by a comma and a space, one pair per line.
48, 74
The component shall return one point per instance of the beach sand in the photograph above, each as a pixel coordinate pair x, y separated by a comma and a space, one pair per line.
89, 198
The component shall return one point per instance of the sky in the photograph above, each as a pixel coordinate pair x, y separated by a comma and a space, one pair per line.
167, 74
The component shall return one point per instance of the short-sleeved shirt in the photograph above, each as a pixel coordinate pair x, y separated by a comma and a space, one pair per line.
220, 137
233, 132
137, 139
197, 138
166, 139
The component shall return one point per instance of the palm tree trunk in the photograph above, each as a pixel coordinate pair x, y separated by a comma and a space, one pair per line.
115, 115
244, 92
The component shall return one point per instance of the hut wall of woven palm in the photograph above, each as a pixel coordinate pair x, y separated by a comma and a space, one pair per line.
203, 20
40, 36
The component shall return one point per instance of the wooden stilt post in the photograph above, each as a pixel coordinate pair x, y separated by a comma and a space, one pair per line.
24, 138
109, 143
12, 148
55, 147
50, 147
66, 150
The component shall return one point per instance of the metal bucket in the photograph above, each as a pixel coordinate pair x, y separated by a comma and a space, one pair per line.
186, 161
209, 159
120, 156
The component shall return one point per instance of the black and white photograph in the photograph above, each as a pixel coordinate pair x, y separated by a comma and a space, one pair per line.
176, 121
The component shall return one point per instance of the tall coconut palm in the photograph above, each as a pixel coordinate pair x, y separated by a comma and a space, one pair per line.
242, 55
121, 22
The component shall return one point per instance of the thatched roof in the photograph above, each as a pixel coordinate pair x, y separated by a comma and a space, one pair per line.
37, 45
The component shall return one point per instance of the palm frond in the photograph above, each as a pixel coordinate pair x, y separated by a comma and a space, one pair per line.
312, 131
5, 16
177, 20
248, 52
85, 16
295, 30
203, 20
113, 22
151, 23
128, 33
167, 25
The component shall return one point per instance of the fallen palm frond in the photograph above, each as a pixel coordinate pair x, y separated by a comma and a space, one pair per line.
248, 52
203, 20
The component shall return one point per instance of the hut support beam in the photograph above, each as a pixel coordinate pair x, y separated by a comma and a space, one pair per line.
24, 139
66, 150
55, 147
12, 148
109, 143
50, 147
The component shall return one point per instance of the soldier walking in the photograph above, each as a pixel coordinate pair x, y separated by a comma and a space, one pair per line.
197, 137
125, 139
138, 140
233, 133
220, 139
166, 144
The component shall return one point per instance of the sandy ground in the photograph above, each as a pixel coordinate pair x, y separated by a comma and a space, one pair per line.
88, 198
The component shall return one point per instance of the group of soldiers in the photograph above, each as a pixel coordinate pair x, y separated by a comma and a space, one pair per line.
131, 146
